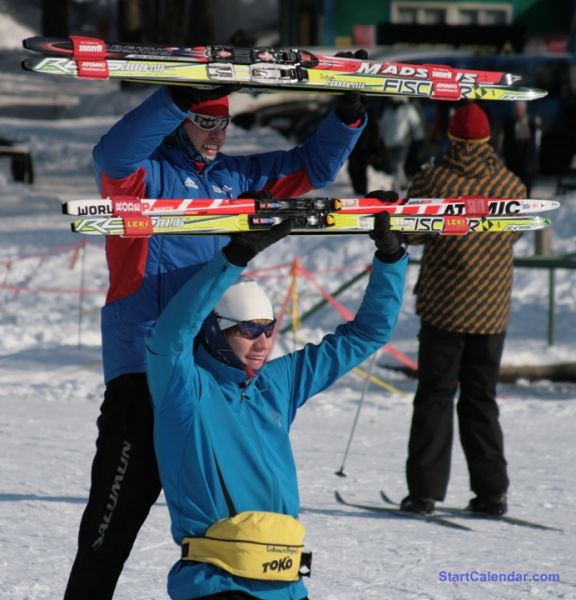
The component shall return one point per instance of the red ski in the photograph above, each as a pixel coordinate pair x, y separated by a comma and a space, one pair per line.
461, 206
87, 48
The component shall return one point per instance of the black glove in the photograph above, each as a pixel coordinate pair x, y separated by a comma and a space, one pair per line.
351, 106
388, 243
243, 247
385, 196
360, 54
186, 96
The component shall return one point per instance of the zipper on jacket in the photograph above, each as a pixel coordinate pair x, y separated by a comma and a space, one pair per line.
272, 477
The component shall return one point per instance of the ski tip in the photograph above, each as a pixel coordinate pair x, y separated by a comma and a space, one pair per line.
386, 498
534, 94
30, 42
552, 205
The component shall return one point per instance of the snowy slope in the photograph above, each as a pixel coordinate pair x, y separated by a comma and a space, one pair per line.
51, 389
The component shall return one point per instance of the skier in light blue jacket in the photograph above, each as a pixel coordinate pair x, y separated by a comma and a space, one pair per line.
223, 415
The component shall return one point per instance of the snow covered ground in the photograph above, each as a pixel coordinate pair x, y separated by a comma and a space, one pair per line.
51, 388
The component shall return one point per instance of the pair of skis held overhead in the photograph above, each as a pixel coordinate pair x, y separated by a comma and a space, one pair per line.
130, 217
267, 69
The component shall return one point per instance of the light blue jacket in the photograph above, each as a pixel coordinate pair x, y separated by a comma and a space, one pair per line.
215, 428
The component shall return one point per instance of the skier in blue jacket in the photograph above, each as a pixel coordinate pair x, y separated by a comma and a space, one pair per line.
223, 417
169, 146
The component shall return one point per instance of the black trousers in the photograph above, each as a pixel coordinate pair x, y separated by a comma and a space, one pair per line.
124, 485
447, 360
358, 171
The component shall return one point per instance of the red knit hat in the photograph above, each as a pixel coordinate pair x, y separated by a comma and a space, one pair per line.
212, 108
469, 124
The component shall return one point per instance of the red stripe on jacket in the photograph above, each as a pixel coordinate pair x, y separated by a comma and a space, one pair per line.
292, 185
126, 256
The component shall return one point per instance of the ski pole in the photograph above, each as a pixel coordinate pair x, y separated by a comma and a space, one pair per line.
340, 471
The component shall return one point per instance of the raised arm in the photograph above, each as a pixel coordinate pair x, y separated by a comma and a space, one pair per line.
125, 147
312, 165
320, 365
121, 155
315, 367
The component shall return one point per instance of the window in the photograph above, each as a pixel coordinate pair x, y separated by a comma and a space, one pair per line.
494, 17
433, 16
468, 17
407, 16
450, 13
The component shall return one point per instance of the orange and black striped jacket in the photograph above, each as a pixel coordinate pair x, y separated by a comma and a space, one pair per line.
465, 282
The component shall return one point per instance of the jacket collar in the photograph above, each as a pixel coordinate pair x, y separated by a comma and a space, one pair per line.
222, 372
181, 152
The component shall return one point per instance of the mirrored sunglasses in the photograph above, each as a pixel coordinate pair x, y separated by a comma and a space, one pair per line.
207, 123
250, 330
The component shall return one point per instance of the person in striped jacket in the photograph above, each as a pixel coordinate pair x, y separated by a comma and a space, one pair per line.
463, 297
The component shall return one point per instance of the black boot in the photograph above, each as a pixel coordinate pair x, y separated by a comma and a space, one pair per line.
422, 506
493, 505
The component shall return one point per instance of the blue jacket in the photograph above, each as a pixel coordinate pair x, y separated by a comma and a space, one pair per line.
209, 418
132, 160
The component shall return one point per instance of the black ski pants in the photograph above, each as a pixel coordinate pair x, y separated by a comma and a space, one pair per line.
124, 486
447, 360
358, 171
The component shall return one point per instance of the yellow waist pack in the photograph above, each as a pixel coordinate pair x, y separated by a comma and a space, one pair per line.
255, 545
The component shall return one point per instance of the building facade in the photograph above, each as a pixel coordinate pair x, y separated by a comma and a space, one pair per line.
546, 25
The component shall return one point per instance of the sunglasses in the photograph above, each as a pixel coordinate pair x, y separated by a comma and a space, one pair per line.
207, 123
250, 330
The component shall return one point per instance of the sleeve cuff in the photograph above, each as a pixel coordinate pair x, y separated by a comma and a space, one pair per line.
390, 258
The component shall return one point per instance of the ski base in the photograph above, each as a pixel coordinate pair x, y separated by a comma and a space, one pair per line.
396, 512
466, 514
276, 78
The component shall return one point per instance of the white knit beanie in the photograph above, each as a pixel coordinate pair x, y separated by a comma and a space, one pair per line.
244, 301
